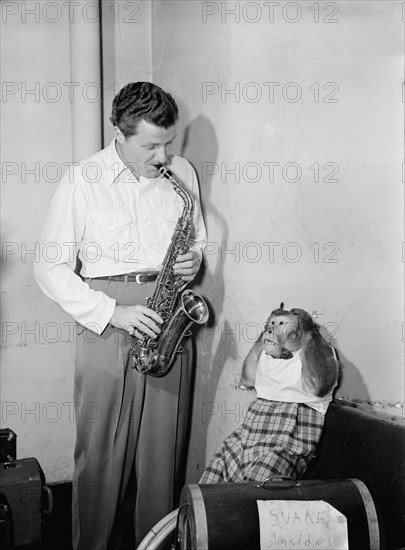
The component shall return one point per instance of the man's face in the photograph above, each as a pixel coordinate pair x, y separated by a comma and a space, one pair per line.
147, 148
281, 331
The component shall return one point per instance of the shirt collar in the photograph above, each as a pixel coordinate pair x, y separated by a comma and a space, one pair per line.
115, 164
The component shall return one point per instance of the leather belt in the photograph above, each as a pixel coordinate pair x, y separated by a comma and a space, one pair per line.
140, 277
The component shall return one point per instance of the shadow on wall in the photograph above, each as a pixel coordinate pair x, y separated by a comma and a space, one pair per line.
200, 146
351, 381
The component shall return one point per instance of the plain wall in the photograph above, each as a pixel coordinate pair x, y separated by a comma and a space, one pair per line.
37, 337
334, 247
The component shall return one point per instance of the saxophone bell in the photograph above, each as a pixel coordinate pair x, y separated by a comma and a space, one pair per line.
157, 360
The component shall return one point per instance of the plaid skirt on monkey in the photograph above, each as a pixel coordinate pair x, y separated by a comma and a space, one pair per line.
276, 439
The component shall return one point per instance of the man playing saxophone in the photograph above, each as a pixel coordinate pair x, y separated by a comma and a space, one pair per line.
118, 216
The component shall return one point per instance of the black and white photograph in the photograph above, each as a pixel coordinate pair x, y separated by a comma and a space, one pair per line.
202, 275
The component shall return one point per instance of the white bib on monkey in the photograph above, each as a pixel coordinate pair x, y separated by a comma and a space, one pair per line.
281, 380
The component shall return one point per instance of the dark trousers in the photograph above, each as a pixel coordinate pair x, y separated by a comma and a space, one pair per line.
131, 434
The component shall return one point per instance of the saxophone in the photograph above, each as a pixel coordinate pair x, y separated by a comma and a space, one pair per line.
178, 309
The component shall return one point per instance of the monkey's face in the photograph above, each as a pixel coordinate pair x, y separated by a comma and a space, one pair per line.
281, 335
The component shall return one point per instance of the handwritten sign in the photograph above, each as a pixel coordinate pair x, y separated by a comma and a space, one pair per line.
300, 524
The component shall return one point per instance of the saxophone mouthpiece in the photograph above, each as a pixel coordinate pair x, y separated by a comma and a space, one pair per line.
165, 173
162, 171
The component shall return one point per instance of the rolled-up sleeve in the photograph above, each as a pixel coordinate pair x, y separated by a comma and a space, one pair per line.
55, 274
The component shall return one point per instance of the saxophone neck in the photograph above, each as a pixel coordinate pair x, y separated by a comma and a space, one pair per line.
179, 187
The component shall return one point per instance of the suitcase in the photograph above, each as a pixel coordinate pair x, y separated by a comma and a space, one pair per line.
23, 484
6, 524
8, 445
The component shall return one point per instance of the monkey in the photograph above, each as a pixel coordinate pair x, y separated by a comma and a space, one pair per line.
294, 371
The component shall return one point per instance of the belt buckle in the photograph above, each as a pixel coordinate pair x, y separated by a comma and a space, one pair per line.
139, 278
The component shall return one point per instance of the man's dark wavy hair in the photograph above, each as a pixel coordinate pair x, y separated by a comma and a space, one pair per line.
142, 101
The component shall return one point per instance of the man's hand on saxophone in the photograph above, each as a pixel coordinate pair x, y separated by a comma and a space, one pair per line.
138, 321
187, 265
141, 321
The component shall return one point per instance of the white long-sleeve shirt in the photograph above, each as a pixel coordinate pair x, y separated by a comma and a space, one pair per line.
116, 224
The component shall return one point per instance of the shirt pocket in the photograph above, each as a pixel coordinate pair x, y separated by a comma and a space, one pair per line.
110, 220
110, 232
171, 211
